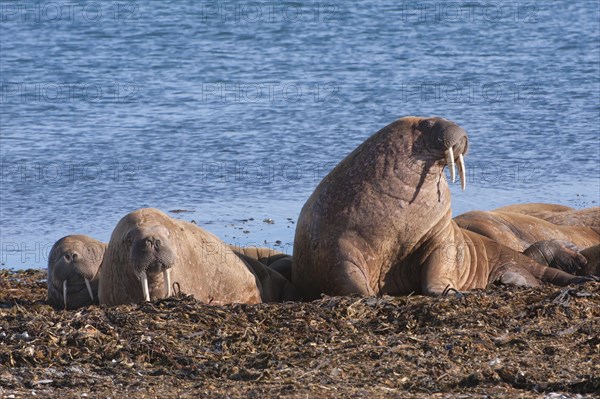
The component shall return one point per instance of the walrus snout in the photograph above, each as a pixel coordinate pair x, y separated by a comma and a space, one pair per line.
152, 255
74, 278
450, 141
73, 267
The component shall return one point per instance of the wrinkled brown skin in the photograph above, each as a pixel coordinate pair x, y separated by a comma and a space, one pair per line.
559, 214
536, 209
592, 268
552, 237
519, 231
73, 258
276, 260
201, 264
380, 223
559, 254
588, 217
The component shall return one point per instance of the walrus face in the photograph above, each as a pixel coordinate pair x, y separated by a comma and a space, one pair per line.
151, 253
72, 273
446, 142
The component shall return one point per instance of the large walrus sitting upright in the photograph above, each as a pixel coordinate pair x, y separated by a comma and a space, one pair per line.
380, 223
73, 271
149, 253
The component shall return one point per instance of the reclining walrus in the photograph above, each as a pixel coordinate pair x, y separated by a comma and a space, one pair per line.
537, 209
566, 256
278, 261
380, 223
559, 214
149, 253
73, 271
551, 237
519, 231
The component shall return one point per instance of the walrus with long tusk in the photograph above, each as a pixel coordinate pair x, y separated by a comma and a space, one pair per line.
380, 223
149, 253
73, 271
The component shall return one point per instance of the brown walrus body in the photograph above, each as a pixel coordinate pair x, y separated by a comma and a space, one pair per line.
275, 260
519, 231
592, 255
380, 223
147, 245
537, 209
558, 214
552, 237
73, 271
566, 256
588, 217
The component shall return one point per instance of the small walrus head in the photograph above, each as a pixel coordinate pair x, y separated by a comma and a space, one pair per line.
73, 271
447, 142
151, 253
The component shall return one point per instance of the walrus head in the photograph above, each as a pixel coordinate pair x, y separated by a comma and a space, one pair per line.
73, 269
151, 253
447, 143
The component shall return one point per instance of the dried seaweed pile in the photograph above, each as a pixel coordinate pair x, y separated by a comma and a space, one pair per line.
505, 342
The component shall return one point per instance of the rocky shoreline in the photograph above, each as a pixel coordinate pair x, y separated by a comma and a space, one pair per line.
504, 342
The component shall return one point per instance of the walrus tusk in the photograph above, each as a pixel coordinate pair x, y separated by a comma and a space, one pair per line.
462, 172
89, 288
167, 278
65, 292
145, 290
450, 162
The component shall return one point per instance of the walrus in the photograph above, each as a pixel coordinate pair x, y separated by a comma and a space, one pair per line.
149, 253
74, 266
380, 223
592, 255
588, 217
551, 237
537, 209
558, 214
566, 256
276, 260
519, 231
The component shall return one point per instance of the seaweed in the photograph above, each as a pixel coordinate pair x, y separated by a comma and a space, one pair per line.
502, 342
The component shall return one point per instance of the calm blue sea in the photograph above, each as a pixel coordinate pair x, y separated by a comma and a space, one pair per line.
233, 111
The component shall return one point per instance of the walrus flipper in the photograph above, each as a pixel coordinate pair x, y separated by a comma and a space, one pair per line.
549, 274
273, 286
592, 254
559, 254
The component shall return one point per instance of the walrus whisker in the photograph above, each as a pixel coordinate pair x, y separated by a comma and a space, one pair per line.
462, 172
450, 162
167, 278
89, 288
145, 290
65, 292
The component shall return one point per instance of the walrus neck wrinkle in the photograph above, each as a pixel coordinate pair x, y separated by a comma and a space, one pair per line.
407, 183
